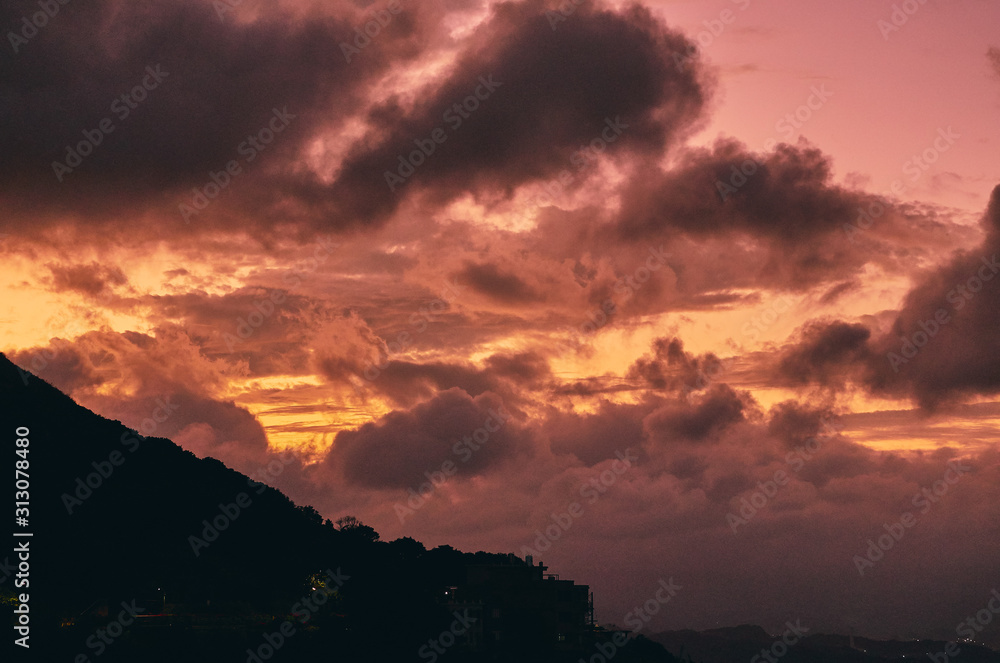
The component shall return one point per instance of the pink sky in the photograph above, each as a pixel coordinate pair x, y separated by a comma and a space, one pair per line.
612, 302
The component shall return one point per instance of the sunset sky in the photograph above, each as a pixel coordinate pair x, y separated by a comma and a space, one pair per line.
683, 233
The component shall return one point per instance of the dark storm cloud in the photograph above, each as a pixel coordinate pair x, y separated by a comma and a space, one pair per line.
718, 409
793, 422
61, 364
212, 83
395, 451
837, 291
787, 226
497, 284
944, 342
669, 367
271, 329
408, 382
598, 436
542, 95
790, 196
525, 368
942, 345
825, 351
89, 279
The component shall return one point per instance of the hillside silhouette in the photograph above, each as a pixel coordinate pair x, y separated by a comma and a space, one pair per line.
113, 514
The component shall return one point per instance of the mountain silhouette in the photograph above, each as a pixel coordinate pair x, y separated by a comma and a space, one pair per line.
142, 551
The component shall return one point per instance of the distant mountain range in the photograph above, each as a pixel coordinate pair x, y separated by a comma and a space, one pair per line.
752, 644
141, 551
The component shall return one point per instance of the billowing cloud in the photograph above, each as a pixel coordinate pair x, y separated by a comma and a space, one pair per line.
669, 367
474, 434
406, 382
717, 409
251, 98
493, 282
174, 94
941, 345
825, 351
158, 385
514, 108
595, 437
90, 279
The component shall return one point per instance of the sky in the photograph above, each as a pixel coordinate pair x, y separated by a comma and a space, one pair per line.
697, 290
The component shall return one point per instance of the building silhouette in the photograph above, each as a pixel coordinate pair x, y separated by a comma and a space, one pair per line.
518, 605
